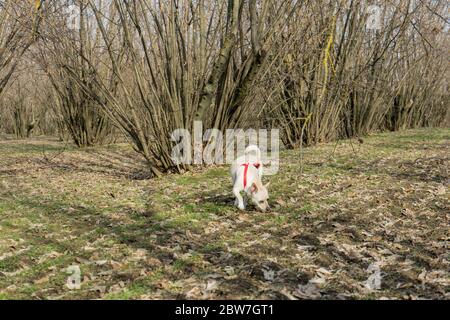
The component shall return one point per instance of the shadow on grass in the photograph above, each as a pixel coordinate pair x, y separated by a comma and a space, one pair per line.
111, 163
12, 147
149, 231
429, 169
88, 224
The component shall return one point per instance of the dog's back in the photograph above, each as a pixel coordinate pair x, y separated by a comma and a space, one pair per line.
246, 173
252, 155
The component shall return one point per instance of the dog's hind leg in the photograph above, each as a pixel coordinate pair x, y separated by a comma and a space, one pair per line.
239, 200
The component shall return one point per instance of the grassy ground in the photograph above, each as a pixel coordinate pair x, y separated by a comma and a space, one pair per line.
355, 206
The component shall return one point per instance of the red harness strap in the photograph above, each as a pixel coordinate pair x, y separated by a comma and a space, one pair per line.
246, 165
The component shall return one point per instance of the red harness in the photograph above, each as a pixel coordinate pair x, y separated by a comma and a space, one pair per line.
246, 165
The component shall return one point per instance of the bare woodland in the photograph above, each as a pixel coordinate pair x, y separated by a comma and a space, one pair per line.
141, 69
89, 98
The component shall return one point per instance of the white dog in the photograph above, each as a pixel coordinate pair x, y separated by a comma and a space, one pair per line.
246, 173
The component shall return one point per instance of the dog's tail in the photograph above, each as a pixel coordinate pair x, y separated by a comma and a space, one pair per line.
253, 149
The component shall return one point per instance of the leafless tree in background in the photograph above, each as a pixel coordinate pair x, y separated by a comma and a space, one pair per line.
340, 78
19, 28
317, 69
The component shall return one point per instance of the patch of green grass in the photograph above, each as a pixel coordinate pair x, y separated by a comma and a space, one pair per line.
332, 200
43, 267
304, 210
214, 208
279, 219
28, 289
131, 292
191, 217
137, 288
27, 148
10, 264
181, 264
188, 179
216, 173
213, 247
4, 296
